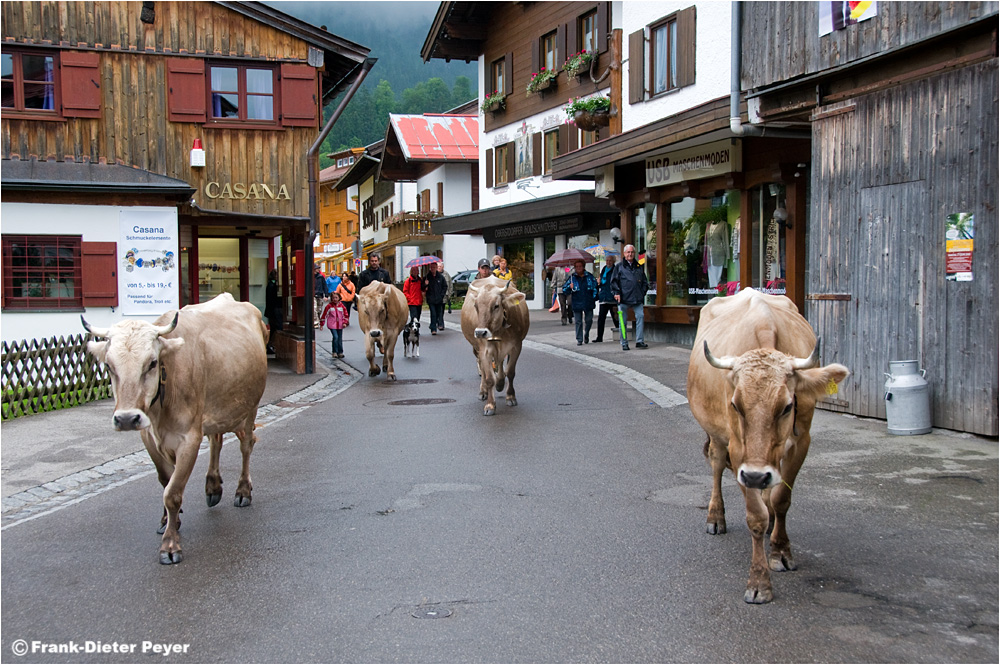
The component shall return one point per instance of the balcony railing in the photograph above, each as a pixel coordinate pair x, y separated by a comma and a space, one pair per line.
405, 225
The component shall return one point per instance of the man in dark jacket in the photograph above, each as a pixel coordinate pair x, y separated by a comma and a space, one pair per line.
272, 309
629, 286
435, 290
320, 293
607, 300
581, 287
374, 273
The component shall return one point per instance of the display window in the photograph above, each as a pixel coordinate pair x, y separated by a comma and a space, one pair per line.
521, 261
702, 249
644, 234
218, 267
768, 224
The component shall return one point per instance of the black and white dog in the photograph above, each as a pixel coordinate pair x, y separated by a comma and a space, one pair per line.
411, 339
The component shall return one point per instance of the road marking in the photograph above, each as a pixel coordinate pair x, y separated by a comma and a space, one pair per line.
651, 388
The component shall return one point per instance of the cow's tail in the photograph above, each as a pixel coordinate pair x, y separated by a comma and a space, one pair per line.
263, 331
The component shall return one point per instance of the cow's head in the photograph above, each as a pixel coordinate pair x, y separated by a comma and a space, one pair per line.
375, 303
769, 389
132, 351
492, 303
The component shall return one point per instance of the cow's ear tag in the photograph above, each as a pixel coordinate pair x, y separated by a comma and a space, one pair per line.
831, 388
517, 302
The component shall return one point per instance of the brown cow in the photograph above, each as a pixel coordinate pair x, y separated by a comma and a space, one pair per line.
382, 314
755, 402
194, 372
495, 321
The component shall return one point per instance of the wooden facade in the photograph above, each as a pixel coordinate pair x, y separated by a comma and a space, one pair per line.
904, 111
514, 36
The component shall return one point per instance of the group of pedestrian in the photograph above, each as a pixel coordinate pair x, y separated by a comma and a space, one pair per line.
622, 288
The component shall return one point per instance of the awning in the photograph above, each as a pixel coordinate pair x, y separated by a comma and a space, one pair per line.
579, 205
88, 177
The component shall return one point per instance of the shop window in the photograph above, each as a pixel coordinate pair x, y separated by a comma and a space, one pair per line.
218, 267
42, 272
521, 261
702, 246
551, 146
242, 93
768, 217
644, 234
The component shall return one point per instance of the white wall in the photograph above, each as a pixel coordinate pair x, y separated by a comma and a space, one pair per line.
713, 30
93, 224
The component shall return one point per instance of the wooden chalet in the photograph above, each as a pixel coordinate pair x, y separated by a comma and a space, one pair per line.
194, 116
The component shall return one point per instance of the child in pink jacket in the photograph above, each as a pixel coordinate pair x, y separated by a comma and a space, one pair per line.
335, 315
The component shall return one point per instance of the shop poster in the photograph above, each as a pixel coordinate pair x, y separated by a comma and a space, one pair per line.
148, 278
959, 235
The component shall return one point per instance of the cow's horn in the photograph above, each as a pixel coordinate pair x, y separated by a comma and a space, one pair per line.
169, 328
807, 363
715, 362
508, 285
96, 332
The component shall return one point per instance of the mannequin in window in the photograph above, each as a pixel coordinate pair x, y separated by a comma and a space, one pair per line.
716, 251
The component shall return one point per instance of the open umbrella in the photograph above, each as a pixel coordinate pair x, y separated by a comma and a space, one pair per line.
598, 251
567, 257
424, 260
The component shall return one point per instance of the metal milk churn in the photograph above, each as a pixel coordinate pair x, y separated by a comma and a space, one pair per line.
907, 398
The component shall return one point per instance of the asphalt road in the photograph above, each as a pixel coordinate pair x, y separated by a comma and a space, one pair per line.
567, 529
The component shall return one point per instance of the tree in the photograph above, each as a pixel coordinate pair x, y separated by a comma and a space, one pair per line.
461, 91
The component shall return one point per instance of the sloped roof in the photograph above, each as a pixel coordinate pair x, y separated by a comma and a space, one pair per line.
437, 138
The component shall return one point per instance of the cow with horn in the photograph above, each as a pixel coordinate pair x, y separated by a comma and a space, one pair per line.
196, 372
495, 322
753, 383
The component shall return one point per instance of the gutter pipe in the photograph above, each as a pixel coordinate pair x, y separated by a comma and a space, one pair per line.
736, 125
312, 165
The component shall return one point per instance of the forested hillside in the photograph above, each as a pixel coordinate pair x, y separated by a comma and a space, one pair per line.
400, 81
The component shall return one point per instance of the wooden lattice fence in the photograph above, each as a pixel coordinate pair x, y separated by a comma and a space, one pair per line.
53, 373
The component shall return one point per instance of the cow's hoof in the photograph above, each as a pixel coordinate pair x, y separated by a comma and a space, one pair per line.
716, 528
168, 558
511, 401
242, 501
483, 396
375, 371
163, 527
391, 376
757, 596
781, 562
489, 411
214, 498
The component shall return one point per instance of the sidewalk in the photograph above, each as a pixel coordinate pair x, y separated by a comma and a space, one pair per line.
64, 456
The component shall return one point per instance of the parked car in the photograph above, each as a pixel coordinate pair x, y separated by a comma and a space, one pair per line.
460, 283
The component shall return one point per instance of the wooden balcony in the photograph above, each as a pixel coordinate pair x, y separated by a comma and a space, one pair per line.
406, 227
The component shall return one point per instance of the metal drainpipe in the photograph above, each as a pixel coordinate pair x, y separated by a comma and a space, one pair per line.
735, 66
312, 165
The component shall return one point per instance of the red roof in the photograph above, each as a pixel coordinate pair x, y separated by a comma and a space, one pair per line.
438, 138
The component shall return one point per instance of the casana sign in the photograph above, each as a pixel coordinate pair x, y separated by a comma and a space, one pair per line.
241, 191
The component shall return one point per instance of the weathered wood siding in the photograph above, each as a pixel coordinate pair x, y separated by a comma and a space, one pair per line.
886, 173
133, 128
781, 39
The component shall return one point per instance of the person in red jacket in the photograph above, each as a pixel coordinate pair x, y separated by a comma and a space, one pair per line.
413, 290
335, 316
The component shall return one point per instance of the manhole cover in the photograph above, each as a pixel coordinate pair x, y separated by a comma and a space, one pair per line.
409, 382
421, 402
431, 613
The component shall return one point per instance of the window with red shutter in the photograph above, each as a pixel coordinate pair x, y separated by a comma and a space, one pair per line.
80, 76
41, 272
299, 96
186, 90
